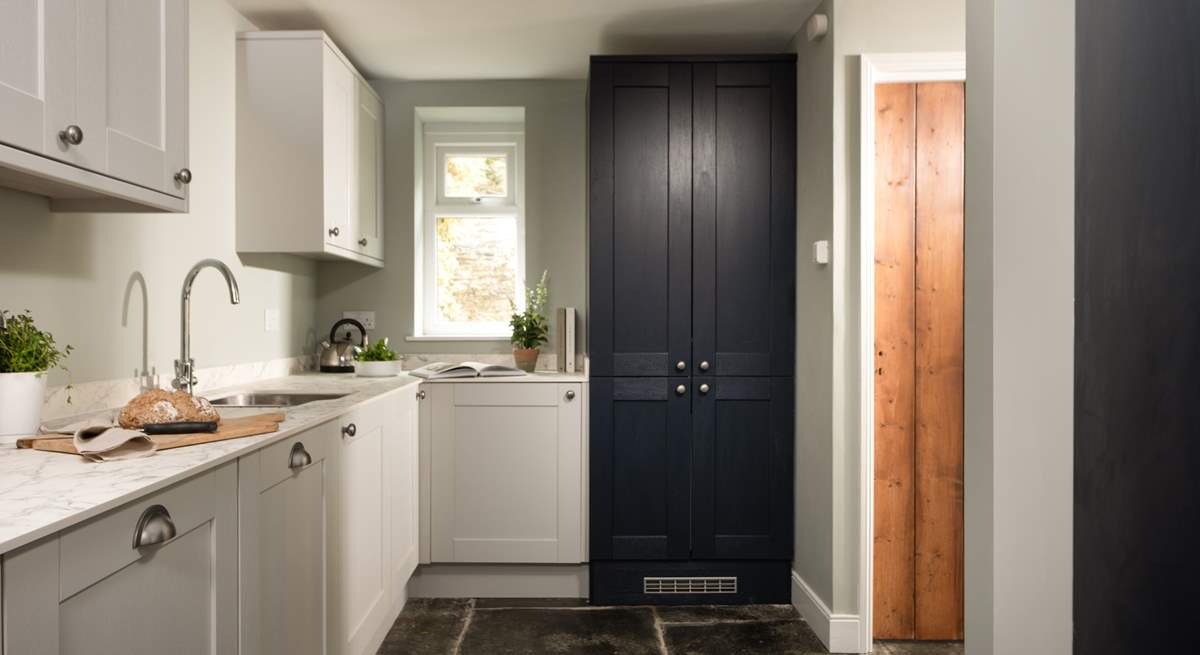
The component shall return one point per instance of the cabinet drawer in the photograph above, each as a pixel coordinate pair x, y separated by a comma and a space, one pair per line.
502, 394
275, 461
93, 550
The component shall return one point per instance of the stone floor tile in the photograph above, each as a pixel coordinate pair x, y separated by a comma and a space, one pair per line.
719, 613
427, 626
610, 631
792, 637
509, 603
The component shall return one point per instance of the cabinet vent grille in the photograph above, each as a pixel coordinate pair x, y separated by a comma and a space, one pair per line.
698, 585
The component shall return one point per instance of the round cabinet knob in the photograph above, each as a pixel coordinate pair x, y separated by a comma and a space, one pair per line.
680, 390
680, 365
350, 430
704, 365
299, 457
333, 231
363, 242
71, 136
184, 176
421, 395
704, 388
570, 394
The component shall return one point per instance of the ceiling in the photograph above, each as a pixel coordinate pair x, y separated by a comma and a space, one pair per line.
528, 39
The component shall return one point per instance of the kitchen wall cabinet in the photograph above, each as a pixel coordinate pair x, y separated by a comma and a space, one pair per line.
309, 150
91, 589
94, 103
506, 482
284, 551
691, 327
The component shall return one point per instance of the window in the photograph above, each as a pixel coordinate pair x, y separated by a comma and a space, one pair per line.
472, 228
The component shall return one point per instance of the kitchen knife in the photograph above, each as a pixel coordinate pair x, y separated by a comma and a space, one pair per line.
180, 428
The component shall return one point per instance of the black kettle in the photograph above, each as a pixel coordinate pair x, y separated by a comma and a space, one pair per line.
337, 356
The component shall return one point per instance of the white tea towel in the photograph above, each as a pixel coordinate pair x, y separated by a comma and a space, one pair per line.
99, 440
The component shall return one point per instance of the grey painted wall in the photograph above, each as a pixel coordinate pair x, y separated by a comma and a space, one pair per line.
1020, 235
827, 297
71, 270
555, 173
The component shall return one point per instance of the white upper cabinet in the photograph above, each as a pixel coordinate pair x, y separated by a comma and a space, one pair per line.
310, 150
94, 102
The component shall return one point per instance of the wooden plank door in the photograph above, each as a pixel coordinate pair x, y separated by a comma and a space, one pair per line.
743, 177
640, 260
742, 495
641, 463
919, 361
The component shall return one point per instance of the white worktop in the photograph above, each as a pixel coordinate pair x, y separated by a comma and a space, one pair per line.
42, 493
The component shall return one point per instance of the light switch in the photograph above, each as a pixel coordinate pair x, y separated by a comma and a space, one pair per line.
820, 252
364, 317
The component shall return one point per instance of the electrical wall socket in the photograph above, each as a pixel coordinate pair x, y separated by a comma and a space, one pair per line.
364, 317
271, 320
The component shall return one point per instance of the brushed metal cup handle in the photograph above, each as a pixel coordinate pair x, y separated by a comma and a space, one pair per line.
184, 176
704, 388
680, 365
154, 527
350, 430
72, 135
299, 457
333, 231
704, 365
570, 394
680, 390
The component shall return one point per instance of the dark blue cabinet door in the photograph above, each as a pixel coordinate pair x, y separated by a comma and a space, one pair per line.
639, 220
744, 208
742, 467
640, 468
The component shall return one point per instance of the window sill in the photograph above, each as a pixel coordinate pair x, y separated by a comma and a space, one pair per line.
451, 337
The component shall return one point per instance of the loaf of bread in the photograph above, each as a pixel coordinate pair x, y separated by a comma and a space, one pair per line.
159, 406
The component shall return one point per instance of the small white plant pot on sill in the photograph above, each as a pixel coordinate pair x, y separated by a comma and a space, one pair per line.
377, 369
21, 398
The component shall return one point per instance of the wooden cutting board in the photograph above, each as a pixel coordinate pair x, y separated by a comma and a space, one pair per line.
230, 428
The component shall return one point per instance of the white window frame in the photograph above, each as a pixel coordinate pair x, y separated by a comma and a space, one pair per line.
440, 139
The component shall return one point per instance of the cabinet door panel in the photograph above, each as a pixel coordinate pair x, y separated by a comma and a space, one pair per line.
145, 92
640, 220
640, 469
22, 82
337, 152
368, 212
743, 460
744, 219
404, 492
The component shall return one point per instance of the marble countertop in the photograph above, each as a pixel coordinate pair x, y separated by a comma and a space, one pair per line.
42, 493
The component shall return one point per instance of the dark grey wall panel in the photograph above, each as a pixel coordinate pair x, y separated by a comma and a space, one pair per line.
1137, 332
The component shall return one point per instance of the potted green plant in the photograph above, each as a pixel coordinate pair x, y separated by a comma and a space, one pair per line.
529, 328
377, 361
27, 354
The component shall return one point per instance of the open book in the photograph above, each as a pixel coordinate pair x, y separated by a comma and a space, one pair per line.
444, 370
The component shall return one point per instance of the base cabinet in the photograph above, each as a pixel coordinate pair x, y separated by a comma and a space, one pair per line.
284, 524
506, 472
90, 589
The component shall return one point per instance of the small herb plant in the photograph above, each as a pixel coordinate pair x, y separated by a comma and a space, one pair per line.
26, 349
377, 352
529, 328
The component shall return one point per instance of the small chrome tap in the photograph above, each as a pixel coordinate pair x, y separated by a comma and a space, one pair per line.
184, 366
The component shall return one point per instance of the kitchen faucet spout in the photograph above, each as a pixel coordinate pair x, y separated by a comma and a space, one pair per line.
185, 366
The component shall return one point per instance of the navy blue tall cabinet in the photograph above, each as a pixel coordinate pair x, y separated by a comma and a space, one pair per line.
691, 324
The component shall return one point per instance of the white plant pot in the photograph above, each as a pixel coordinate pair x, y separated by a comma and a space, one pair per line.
377, 369
21, 398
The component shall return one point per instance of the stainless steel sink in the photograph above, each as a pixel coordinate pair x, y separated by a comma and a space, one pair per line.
273, 399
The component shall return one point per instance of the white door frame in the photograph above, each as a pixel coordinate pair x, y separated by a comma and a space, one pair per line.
879, 69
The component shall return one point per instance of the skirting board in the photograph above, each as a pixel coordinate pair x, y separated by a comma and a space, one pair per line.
839, 632
499, 581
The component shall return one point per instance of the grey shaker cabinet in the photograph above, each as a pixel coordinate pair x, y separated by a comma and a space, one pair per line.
90, 589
